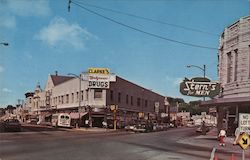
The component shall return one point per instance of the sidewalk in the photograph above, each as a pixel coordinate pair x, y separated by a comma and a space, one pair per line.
210, 141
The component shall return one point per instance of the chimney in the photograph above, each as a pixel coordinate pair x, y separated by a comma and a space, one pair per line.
56, 73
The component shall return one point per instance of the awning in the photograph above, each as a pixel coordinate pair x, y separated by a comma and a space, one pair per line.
74, 115
240, 101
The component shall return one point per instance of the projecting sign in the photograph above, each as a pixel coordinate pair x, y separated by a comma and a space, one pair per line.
199, 87
244, 122
102, 71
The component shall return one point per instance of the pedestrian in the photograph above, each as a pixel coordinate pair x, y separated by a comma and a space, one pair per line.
237, 134
203, 128
221, 137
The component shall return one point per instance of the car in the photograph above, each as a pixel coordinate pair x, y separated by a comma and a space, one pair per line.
139, 128
12, 125
129, 127
199, 129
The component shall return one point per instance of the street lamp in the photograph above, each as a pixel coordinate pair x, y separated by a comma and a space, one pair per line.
203, 69
4, 43
79, 95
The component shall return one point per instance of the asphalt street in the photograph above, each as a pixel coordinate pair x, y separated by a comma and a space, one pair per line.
79, 145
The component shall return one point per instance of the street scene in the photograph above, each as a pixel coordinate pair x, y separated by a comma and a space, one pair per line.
137, 80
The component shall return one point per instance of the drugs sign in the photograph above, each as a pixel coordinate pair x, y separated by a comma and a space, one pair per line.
99, 84
199, 87
244, 122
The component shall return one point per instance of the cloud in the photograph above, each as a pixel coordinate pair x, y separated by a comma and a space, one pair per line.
29, 8
7, 21
1, 69
60, 33
7, 90
173, 80
10, 9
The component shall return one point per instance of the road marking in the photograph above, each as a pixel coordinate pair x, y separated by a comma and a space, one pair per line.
212, 154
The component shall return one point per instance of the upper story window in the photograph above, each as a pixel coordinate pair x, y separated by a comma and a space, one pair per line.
146, 103
82, 95
229, 67
138, 101
119, 97
126, 99
131, 101
72, 97
98, 93
111, 95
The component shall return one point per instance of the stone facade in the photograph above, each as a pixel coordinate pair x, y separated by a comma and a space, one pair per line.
234, 59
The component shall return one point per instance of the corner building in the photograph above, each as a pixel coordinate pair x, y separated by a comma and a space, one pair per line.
91, 107
234, 74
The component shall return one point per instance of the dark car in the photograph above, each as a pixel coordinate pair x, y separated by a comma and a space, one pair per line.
12, 125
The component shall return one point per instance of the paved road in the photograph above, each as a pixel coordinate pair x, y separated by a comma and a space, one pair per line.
79, 145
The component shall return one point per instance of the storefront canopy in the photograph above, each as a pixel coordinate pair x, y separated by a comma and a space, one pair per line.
76, 115
239, 101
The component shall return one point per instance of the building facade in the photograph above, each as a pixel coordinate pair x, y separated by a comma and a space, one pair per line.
234, 74
90, 99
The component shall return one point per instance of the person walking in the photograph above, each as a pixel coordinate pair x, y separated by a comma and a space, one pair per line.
237, 134
222, 136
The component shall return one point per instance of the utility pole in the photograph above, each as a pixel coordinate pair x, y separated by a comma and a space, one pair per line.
69, 5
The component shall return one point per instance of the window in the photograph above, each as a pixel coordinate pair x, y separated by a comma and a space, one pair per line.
62, 99
126, 99
119, 97
235, 65
131, 100
72, 97
77, 96
146, 103
229, 67
87, 95
138, 101
67, 98
97, 93
29, 100
111, 95
82, 96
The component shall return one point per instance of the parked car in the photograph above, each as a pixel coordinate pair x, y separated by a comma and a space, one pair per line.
32, 121
129, 127
12, 125
199, 129
139, 128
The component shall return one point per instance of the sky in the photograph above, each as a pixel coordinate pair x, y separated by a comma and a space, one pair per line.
148, 42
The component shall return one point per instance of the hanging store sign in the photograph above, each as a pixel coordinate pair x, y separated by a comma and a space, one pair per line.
244, 122
199, 87
101, 71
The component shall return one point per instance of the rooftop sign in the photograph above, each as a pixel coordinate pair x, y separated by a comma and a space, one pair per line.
103, 71
199, 87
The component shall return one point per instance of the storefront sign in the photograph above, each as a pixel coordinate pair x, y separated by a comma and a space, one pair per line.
99, 84
199, 87
244, 122
102, 71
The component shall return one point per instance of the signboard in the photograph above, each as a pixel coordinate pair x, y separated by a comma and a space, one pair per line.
244, 122
101, 71
199, 87
99, 84
244, 141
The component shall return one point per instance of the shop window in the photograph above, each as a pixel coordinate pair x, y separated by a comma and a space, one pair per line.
98, 93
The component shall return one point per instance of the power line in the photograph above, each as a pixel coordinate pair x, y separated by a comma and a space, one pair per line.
149, 19
145, 32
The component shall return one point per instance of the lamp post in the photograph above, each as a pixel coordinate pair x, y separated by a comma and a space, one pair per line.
203, 69
79, 95
4, 43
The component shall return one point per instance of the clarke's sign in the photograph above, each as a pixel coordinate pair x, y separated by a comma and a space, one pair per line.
199, 87
102, 71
